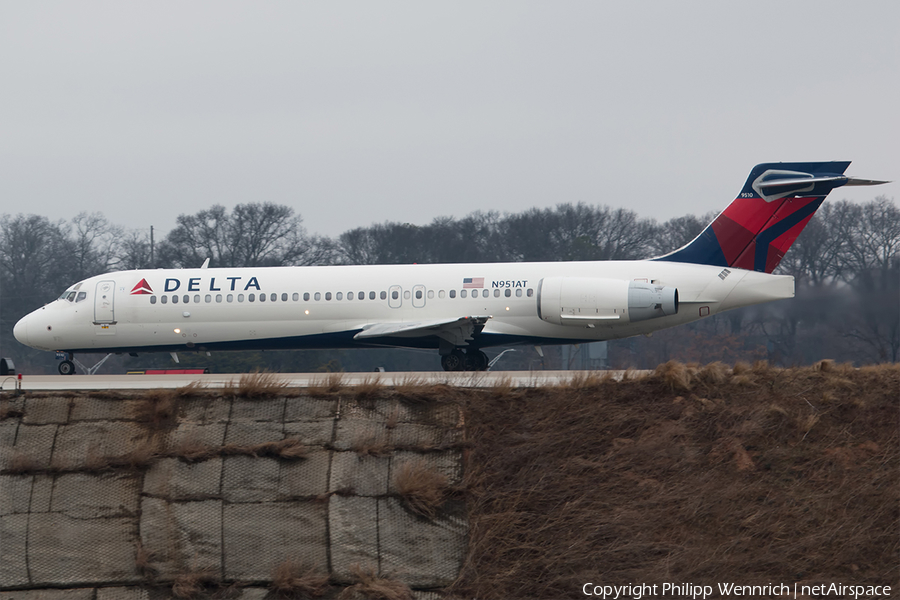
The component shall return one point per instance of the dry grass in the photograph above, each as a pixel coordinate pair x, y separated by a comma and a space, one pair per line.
143, 562
371, 586
676, 376
292, 579
158, 409
370, 388
191, 449
8, 411
288, 449
422, 489
194, 584
373, 445
502, 387
714, 374
649, 482
585, 381
329, 385
259, 384
410, 388
140, 456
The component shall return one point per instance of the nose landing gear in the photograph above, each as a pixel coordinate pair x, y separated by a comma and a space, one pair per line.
67, 366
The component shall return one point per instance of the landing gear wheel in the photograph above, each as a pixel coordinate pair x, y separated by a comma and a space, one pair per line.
66, 367
455, 361
476, 360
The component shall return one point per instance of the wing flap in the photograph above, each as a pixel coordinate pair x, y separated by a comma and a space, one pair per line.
457, 331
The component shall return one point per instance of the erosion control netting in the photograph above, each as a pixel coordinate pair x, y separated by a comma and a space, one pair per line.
189, 493
706, 475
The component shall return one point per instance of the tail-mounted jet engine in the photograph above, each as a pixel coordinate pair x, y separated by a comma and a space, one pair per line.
591, 301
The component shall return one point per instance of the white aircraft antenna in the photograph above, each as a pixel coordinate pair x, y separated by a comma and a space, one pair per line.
205, 263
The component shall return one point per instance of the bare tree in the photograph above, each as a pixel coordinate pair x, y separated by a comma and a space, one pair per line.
95, 244
875, 243
253, 235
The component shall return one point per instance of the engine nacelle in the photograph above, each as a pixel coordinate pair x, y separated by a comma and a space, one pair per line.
587, 301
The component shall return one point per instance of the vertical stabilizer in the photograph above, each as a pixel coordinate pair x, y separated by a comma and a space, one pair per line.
756, 230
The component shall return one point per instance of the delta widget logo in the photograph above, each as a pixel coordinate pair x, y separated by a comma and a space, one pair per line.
141, 288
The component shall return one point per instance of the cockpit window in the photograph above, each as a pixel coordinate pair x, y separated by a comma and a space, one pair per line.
70, 296
81, 296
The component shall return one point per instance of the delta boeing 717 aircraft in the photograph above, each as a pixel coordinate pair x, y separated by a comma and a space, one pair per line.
457, 309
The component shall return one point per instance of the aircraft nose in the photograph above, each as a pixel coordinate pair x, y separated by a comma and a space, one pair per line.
20, 331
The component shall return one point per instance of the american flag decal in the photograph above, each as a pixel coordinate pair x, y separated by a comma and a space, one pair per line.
473, 282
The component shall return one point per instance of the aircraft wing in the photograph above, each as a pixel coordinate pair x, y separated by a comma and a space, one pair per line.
456, 331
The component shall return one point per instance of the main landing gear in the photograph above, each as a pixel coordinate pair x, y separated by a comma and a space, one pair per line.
471, 360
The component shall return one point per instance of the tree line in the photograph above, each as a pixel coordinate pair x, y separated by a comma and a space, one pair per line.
846, 264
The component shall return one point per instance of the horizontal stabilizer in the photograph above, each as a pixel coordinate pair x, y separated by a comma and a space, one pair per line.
856, 181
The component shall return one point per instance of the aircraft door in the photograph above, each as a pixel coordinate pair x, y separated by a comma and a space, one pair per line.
418, 296
395, 296
104, 302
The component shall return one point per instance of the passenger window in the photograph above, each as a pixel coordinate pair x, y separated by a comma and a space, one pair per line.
306, 296
318, 296
453, 293
284, 297
197, 299
507, 292
208, 298
328, 295
250, 298
295, 296
496, 293
362, 296
406, 295
186, 299
395, 294
384, 295
463, 294
241, 297
81, 296
262, 297
152, 299
441, 294
175, 299
274, 297
219, 298
485, 293
163, 299
229, 298
518, 292
339, 296
371, 295
418, 294
530, 292
430, 294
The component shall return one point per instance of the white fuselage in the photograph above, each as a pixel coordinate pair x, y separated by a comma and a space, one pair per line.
321, 307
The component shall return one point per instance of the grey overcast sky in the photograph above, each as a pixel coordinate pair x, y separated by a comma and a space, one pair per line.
361, 112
